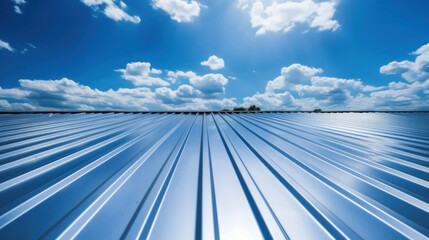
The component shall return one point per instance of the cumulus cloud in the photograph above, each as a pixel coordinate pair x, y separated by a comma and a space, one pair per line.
187, 91
179, 10
66, 94
209, 104
6, 46
299, 87
169, 96
140, 73
184, 94
306, 89
5, 105
173, 76
187, 97
214, 62
293, 74
284, 16
199, 93
411, 71
270, 100
210, 83
397, 96
113, 9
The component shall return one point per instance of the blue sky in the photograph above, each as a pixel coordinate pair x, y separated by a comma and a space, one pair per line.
209, 55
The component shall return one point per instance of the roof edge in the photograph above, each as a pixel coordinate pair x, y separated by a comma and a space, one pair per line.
194, 112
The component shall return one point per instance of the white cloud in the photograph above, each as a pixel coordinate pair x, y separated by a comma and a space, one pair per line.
269, 100
117, 14
113, 9
168, 96
286, 15
188, 98
293, 74
13, 93
300, 88
411, 71
214, 62
6, 46
7, 106
17, 9
206, 86
140, 73
184, 94
210, 83
201, 93
398, 96
179, 10
309, 91
187, 91
210, 104
173, 76
397, 85
66, 94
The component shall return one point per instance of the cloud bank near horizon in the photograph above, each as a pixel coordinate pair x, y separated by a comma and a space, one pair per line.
298, 87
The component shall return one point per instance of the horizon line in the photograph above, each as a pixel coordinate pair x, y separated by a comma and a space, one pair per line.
213, 111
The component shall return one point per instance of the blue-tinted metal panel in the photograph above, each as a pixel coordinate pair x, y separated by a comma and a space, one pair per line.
214, 176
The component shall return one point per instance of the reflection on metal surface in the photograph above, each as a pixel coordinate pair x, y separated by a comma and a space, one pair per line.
214, 176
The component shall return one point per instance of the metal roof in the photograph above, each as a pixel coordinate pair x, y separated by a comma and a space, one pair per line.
214, 176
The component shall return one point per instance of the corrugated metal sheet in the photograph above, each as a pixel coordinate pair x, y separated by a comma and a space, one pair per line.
214, 176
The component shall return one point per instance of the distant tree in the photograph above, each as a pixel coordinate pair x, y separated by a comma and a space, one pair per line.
254, 108
317, 110
225, 110
239, 109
